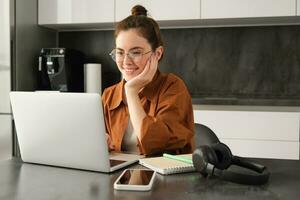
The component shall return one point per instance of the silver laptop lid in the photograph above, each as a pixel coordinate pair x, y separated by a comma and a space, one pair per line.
61, 129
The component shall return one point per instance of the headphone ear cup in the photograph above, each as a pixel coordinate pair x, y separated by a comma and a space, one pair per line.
202, 156
223, 154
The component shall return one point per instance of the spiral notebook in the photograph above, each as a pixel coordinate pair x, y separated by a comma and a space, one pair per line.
166, 166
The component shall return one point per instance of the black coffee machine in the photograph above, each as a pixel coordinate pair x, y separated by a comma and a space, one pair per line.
61, 69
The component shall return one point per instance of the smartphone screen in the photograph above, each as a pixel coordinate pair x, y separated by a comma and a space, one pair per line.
136, 177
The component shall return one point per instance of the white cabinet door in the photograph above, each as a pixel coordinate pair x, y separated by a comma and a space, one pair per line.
4, 90
298, 7
161, 9
255, 134
212, 9
5, 137
75, 11
252, 125
4, 57
264, 148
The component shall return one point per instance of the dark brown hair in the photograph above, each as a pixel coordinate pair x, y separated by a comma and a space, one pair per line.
146, 26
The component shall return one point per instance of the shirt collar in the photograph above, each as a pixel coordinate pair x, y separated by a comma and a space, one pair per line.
148, 91
117, 95
152, 87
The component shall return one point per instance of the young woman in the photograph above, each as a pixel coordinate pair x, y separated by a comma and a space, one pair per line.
148, 112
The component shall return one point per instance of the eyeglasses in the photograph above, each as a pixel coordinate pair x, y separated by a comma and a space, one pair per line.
134, 55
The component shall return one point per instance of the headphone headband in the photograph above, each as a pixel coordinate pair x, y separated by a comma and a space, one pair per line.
242, 177
242, 162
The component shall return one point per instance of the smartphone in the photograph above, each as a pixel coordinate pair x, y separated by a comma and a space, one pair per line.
135, 179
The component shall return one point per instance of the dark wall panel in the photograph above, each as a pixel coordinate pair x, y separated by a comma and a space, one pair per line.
239, 65
27, 41
96, 45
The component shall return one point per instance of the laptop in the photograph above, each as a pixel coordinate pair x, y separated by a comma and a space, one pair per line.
66, 130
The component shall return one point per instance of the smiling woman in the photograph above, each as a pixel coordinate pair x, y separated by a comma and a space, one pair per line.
148, 112
138, 53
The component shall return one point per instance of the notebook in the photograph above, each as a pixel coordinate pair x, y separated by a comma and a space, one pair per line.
167, 166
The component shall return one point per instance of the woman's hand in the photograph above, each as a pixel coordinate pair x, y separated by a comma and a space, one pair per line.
110, 144
141, 80
133, 87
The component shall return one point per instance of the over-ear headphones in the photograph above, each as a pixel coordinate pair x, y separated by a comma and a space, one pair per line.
216, 159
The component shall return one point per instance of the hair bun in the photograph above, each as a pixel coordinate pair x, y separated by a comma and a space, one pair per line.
138, 10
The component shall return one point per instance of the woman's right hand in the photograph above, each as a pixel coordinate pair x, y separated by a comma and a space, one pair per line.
110, 144
145, 77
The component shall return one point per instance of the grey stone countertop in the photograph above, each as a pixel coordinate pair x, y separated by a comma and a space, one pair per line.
246, 108
25, 181
248, 102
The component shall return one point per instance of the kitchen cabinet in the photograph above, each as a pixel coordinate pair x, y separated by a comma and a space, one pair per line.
5, 82
217, 9
4, 57
4, 89
255, 133
5, 137
298, 7
75, 11
101, 14
161, 9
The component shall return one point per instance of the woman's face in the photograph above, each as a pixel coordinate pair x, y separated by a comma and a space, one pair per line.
132, 53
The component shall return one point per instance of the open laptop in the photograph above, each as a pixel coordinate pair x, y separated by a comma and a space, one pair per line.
64, 129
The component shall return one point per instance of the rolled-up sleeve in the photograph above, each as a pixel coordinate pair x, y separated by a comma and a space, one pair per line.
171, 128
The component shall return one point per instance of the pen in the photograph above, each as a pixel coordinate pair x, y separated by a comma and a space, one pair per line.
182, 159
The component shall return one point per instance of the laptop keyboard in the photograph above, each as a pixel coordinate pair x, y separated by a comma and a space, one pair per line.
115, 162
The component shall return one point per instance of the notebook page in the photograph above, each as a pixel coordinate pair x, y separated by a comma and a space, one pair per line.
166, 165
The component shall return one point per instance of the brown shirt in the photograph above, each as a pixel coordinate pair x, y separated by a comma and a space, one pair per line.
169, 124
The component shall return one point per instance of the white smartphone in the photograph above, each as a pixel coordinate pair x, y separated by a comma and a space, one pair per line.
135, 179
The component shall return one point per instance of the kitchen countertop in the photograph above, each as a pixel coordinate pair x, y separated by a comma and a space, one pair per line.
24, 181
247, 108
246, 101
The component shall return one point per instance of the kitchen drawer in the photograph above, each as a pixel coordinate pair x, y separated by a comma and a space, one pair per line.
264, 148
282, 126
255, 134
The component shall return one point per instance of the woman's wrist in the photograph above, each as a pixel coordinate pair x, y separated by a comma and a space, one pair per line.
130, 90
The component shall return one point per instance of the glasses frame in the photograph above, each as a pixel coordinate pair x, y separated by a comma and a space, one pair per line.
129, 55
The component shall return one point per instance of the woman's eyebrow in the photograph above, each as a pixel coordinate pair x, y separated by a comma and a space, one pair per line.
133, 48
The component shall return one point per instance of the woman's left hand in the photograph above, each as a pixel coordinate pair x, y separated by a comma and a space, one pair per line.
141, 80
110, 144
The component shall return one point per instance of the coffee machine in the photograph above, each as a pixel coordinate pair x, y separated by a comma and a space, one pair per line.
61, 69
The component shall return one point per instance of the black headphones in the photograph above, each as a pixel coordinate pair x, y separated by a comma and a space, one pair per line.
215, 158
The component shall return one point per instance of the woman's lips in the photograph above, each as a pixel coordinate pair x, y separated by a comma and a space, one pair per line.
130, 71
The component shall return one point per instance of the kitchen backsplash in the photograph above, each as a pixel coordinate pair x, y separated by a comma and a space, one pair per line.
232, 65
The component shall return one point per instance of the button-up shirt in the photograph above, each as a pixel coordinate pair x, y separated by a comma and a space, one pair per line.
169, 123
